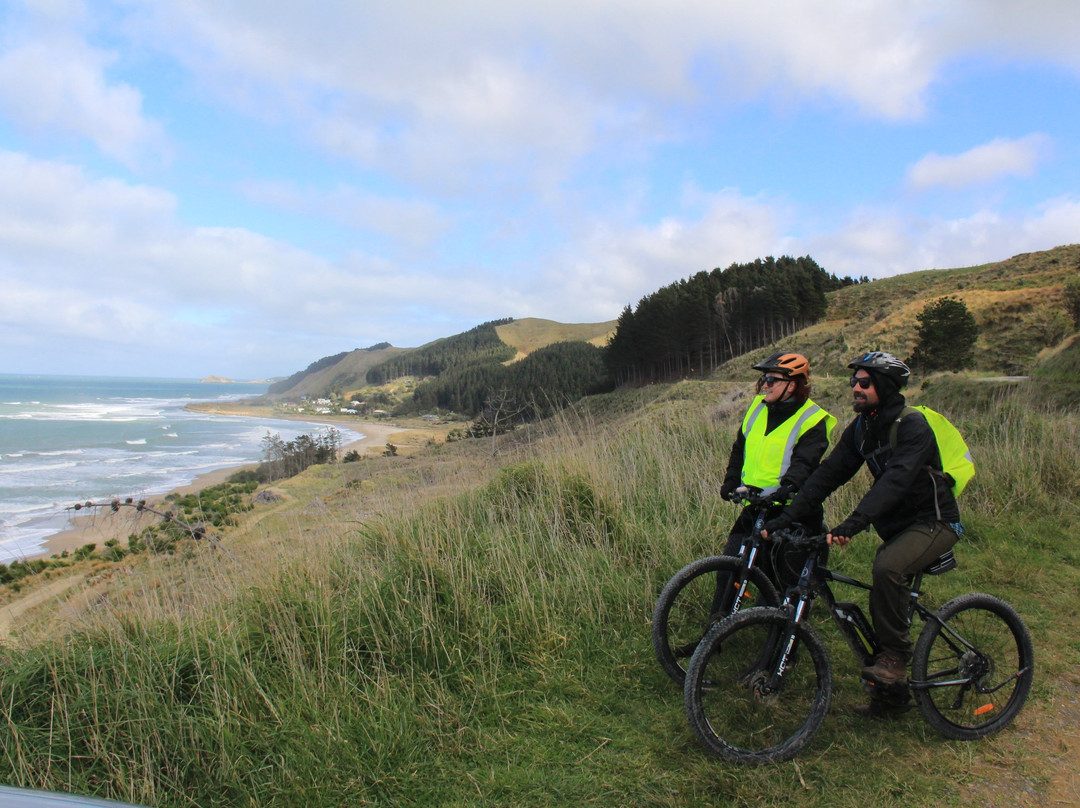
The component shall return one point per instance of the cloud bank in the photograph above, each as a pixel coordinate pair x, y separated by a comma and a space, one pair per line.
240, 188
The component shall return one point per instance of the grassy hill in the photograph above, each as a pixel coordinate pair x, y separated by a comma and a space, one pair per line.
1018, 305
347, 373
343, 374
456, 629
531, 333
459, 628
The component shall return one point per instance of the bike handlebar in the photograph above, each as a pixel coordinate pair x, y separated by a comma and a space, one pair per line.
754, 497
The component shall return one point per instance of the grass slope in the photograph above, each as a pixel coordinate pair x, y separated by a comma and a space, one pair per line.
1018, 305
456, 629
346, 374
525, 336
531, 333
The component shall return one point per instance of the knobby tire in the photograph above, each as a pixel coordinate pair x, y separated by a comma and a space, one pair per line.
682, 614
737, 706
990, 671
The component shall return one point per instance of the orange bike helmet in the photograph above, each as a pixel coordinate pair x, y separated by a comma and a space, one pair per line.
790, 364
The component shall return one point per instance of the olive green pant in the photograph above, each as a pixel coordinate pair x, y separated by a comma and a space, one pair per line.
895, 564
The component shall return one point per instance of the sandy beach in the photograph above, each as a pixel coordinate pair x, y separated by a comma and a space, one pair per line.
99, 525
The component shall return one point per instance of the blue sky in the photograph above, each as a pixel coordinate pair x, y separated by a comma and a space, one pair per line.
240, 187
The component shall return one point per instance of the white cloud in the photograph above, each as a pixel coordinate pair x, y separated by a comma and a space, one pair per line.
999, 158
411, 222
611, 267
437, 90
881, 243
471, 132
1047, 31
456, 94
51, 80
51, 213
102, 270
102, 263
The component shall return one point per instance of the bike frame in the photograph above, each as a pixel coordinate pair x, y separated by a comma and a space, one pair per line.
814, 582
750, 548
747, 662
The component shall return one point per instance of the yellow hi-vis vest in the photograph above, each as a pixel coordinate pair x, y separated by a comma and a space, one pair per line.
766, 457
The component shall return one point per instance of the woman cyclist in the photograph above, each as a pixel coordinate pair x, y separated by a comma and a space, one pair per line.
782, 439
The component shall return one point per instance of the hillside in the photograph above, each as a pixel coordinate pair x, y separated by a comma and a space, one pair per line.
345, 372
463, 626
531, 333
1018, 304
457, 628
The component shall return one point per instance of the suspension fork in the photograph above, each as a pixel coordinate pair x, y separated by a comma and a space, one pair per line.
797, 610
749, 550
744, 575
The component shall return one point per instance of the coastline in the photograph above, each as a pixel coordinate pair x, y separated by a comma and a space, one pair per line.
99, 527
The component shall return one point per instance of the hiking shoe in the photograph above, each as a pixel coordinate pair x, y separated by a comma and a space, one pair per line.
877, 708
888, 669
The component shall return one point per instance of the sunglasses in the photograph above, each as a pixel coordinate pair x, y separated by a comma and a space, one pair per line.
769, 381
865, 382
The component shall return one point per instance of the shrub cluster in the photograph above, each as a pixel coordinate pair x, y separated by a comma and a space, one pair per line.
283, 459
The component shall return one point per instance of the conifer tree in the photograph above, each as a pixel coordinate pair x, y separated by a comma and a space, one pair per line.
945, 338
690, 327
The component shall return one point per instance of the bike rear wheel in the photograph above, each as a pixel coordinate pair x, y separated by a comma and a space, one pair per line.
685, 609
739, 703
972, 668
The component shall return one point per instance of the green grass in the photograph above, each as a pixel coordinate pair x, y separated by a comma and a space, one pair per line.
489, 645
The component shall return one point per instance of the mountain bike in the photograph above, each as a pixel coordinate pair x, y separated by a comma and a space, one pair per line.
708, 590
759, 683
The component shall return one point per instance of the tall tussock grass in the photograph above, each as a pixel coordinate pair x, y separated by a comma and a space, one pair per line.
490, 645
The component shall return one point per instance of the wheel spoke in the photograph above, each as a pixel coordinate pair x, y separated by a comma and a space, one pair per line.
752, 708
973, 667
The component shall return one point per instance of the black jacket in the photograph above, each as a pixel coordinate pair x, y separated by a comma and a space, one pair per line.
908, 487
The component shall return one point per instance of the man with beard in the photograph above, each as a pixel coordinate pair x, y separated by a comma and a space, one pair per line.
910, 504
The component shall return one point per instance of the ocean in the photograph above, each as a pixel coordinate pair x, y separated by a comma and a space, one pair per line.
68, 439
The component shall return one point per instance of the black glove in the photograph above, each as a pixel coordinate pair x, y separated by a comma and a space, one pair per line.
847, 529
727, 490
781, 522
783, 493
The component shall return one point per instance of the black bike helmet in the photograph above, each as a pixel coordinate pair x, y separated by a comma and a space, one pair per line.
882, 364
789, 364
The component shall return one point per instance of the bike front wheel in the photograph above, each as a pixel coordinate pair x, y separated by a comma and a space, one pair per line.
696, 597
972, 667
758, 687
